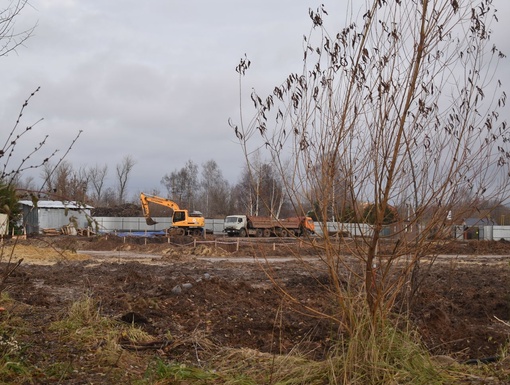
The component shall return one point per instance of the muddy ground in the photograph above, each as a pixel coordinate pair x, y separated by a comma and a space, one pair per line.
228, 297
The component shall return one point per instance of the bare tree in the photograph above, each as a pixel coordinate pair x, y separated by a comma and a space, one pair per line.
260, 191
10, 38
79, 185
400, 111
63, 182
239, 200
26, 184
60, 180
109, 197
97, 176
182, 185
123, 172
214, 191
30, 161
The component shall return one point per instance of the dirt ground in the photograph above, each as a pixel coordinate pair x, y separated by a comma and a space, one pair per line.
460, 310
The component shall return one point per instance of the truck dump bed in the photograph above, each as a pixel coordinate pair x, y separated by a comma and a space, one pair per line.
267, 222
261, 223
292, 223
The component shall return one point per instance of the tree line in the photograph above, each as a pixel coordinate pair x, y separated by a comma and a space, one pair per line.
194, 187
260, 190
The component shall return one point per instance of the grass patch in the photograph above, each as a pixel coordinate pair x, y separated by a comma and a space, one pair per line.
391, 356
87, 331
161, 373
12, 364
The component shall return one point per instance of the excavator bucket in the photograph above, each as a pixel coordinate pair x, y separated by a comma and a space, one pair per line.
150, 221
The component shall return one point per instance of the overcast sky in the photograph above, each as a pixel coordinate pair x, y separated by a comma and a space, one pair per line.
154, 80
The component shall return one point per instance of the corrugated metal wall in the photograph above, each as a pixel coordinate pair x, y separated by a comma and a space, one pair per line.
52, 218
30, 220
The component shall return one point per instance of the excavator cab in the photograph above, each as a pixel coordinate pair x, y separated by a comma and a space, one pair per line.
179, 216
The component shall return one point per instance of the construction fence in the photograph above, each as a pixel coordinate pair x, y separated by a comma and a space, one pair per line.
227, 244
215, 226
212, 226
138, 224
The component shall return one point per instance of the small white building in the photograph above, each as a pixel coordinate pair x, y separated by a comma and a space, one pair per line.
53, 215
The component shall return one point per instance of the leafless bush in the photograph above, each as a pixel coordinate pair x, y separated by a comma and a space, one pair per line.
393, 122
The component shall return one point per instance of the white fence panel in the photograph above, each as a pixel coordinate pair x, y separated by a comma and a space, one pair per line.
500, 232
108, 224
131, 224
215, 225
354, 229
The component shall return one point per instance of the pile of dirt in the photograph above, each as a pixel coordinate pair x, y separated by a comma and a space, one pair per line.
125, 210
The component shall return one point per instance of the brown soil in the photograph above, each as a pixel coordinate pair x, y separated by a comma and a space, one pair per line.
229, 298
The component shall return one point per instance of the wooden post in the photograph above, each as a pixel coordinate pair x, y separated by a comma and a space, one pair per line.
274, 246
237, 245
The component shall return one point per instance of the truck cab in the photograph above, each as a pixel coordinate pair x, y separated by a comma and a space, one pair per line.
236, 225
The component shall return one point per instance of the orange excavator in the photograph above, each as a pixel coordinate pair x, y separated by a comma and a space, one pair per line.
183, 223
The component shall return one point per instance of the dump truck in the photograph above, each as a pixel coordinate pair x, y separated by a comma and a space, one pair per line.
183, 222
245, 226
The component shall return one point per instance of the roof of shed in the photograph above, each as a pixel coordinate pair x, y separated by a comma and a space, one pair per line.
57, 205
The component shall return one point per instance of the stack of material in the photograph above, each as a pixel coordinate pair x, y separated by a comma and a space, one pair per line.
86, 232
69, 230
51, 231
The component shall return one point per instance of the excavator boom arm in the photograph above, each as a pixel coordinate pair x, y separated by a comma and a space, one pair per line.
146, 199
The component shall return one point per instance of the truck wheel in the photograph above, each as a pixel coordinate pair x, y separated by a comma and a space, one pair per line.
242, 233
267, 233
259, 233
284, 233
